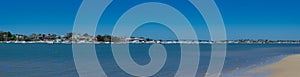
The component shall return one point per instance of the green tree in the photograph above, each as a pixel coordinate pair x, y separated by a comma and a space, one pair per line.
148, 39
68, 36
99, 38
14, 37
53, 37
6, 36
86, 35
107, 38
1, 36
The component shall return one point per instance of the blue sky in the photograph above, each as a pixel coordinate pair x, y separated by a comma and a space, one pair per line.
253, 19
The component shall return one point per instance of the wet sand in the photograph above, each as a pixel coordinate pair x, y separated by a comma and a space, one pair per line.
287, 67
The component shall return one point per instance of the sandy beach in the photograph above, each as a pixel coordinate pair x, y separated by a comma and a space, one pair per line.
287, 67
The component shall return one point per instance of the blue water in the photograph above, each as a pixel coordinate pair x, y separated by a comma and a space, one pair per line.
56, 60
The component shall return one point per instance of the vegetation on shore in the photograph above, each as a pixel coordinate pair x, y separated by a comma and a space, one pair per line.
8, 36
85, 38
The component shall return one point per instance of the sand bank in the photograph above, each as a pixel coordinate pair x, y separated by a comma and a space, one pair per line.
287, 67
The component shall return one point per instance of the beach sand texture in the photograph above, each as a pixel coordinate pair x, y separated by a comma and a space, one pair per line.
287, 67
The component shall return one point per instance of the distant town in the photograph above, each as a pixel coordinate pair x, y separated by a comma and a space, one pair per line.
69, 38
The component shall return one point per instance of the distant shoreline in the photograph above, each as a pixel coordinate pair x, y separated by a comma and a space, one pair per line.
8, 37
182, 42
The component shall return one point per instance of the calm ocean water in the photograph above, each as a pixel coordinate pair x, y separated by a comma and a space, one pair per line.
56, 60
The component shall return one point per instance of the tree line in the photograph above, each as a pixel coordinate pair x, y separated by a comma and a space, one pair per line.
8, 36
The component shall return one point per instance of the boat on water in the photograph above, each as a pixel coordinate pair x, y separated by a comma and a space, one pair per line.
49, 42
19, 42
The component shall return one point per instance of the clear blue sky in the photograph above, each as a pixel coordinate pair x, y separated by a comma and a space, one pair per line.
253, 19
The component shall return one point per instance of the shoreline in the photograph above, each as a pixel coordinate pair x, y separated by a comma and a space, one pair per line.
286, 67
248, 71
45, 42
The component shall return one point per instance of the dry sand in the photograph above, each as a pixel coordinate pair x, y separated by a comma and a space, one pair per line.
287, 67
